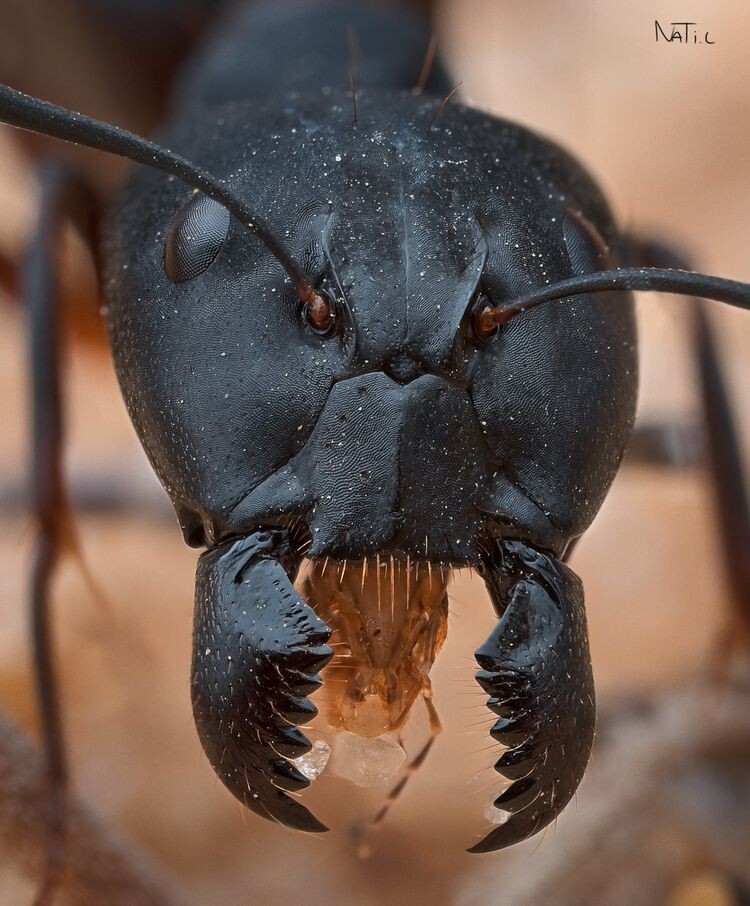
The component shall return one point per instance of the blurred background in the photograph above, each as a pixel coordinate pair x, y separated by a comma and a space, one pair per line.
666, 130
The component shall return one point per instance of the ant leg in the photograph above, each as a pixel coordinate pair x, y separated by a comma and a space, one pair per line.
364, 849
723, 454
675, 444
61, 196
730, 489
8, 275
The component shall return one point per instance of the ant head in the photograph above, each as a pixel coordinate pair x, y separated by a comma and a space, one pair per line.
394, 254
411, 234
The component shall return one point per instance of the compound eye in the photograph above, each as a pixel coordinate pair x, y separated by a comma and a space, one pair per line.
320, 312
197, 233
483, 321
587, 250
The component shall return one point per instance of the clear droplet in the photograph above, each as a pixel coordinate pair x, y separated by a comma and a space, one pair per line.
313, 763
366, 761
496, 815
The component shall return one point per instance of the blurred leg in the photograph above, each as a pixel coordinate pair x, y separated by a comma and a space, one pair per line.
365, 842
729, 482
667, 444
60, 196
723, 453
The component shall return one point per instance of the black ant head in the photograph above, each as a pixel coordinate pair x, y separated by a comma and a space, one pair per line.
388, 413
366, 351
